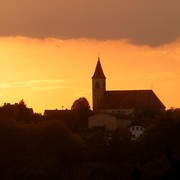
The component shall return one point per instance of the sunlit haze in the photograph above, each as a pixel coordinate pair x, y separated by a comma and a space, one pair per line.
52, 73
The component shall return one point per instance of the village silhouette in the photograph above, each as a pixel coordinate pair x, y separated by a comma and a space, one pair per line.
128, 134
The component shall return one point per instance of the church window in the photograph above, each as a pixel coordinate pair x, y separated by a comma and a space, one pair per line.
97, 85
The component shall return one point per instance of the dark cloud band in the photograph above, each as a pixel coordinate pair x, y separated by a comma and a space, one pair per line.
150, 22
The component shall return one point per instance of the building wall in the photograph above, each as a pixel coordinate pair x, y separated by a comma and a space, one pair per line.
99, 87
121, 112
105, 121
123, 123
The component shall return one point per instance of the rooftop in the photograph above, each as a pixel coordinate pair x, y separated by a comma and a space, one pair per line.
130, 99
99, 74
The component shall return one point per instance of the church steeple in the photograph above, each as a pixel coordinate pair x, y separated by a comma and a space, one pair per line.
98, 86
99, 74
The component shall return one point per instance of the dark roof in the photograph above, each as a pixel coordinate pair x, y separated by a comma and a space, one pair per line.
56, 112
130, 99
98, 71
135, 123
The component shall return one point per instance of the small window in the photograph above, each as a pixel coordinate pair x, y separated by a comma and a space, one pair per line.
137, 128
97, 85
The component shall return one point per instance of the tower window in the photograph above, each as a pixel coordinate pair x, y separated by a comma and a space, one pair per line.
97, 85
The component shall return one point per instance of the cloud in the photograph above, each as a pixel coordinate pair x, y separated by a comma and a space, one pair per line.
47, 88
164, 75
143, 22
36, 85
155, 53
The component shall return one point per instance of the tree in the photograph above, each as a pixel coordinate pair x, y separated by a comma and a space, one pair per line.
81, 104
23, 113
22, 103
81, 110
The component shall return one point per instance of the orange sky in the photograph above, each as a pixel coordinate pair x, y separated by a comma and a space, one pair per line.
52, 73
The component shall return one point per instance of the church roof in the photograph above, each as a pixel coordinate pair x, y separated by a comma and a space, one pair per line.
130, 99
98, 74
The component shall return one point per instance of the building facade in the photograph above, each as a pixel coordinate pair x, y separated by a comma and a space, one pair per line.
122, 103
120, 108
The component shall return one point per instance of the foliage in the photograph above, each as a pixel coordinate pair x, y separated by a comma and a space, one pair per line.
81, 109
81, 104
41, 151
49, 149
19, 112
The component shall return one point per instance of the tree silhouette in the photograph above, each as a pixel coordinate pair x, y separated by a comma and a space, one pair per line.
23, 114
81, 104
22, 103
81, 110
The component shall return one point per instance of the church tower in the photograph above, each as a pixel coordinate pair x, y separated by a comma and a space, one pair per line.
98, 86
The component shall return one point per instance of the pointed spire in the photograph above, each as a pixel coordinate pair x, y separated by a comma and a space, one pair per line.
98, 74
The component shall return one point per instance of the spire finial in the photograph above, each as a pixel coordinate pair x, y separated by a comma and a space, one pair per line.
98, 56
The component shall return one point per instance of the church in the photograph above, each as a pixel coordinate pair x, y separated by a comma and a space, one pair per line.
120, 101
122, 104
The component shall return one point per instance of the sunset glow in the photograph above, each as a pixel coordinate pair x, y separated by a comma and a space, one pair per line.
52, 73
89, 89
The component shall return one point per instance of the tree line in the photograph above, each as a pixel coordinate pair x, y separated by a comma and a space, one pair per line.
36, 148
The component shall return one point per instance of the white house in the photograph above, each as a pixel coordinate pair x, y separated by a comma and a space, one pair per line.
137, 130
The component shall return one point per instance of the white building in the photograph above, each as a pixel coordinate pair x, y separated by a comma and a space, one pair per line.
137, 130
